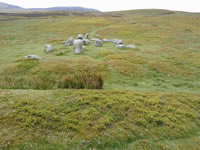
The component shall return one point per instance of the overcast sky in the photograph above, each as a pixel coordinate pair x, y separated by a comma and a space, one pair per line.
112, 5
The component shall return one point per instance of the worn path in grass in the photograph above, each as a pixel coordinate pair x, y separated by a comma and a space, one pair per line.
94, 32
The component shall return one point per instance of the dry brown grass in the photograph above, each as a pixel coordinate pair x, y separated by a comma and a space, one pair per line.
67, 74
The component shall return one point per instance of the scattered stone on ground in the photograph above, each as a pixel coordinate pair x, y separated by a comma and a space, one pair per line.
106, 40
114, 41
78, 46
86, 42
32, 57
98, 43
69, 42
120, 42
49, 48
120, 46
80, 42
131, 46
80, 36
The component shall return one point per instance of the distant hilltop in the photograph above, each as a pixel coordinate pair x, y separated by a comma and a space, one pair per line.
65, 9
4, 7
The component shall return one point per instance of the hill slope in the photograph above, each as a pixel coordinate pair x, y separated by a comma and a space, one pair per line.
4, 7
150, 97
65, 9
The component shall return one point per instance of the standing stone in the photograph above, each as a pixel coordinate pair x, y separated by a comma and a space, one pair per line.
69, 42
78, 46
86, 36
32, 57
80, 36
49, 48
98, 43
86, 42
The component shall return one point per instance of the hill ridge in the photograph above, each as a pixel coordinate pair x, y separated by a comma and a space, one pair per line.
5, 7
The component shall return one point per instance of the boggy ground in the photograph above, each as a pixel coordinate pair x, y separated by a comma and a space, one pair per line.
149, 97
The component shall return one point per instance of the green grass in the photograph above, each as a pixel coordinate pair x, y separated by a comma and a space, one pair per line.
98, 119
147, 98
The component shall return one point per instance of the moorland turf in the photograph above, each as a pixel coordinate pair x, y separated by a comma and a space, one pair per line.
105, 98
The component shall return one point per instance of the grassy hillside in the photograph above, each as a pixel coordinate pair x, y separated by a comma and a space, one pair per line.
150, 97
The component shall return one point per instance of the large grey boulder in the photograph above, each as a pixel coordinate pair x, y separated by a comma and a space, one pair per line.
120, 46
78, 46
131, 46
32, 57
80, 36
69, 42
49, 48
86, 36
86, 42
98, 43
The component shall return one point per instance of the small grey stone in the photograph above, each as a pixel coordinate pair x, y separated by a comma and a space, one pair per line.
78, 46
120, 46
49, 48
131, 46
98, 43
119, 42
69, 42
106, 40
86, 42
114, 41
32, 57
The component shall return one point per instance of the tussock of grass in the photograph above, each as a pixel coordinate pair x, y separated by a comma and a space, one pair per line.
82, 81
36, 75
